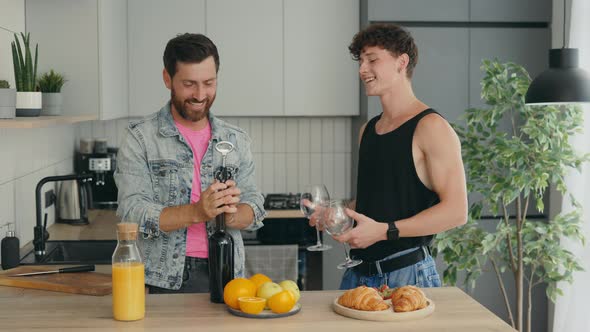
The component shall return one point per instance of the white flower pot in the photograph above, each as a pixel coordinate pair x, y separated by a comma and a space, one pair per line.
7, 103
51, 103
28, 103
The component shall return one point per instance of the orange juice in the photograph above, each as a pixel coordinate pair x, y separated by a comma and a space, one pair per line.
128, 291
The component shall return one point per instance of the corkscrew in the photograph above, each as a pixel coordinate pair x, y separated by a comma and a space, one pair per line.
223, 173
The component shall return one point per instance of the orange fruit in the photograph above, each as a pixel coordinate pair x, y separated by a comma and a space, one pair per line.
282, 302
260, 279
251, 305
239, 287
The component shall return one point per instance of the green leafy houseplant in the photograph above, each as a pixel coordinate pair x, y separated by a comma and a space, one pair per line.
515, 167
51, 82
25, 67
4, 84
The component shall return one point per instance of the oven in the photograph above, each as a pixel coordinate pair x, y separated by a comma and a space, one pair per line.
284, 225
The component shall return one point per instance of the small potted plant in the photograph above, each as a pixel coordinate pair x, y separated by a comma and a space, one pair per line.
28, 100
50, 85
7, 100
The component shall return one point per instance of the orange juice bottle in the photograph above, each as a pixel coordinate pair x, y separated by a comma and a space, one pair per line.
128, 276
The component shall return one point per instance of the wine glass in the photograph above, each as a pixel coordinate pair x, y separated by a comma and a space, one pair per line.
313, 198
336, 222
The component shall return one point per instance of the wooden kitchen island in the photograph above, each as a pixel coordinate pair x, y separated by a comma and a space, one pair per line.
25, 309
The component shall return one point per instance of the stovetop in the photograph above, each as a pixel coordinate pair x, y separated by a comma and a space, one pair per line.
281, 201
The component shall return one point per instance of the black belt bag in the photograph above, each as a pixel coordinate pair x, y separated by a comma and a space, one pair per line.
371, 268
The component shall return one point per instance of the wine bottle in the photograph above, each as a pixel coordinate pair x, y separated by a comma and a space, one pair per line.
221, 244
221, 260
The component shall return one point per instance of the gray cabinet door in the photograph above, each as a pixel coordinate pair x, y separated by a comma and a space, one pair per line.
441, 75
510, 11
525, 46
418, 10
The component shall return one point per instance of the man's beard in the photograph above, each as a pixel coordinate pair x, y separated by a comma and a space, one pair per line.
189, 115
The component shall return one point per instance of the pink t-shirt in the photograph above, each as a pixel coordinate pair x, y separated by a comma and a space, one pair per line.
196, 236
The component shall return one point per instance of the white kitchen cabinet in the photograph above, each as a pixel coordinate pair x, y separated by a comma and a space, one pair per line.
321, 78
12, 20
249, 38
6, 66
152, 23
277, 58
87, 41
12, 16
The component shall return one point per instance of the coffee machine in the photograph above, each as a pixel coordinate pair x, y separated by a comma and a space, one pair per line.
96, 159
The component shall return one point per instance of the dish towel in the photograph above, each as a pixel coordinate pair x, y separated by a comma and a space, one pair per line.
278, 262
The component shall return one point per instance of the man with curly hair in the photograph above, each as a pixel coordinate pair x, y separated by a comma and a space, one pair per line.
411, 181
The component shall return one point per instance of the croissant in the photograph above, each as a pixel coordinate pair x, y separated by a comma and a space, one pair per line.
408, 298
363, 298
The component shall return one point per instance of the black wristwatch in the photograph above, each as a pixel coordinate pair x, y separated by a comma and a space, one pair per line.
392, 231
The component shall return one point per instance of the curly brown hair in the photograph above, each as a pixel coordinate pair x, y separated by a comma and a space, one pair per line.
391, 37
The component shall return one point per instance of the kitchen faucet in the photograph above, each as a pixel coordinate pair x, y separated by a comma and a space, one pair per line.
40, 231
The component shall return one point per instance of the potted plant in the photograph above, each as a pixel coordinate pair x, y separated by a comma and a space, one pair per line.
515, 168
28, 100
50, 85
7, 100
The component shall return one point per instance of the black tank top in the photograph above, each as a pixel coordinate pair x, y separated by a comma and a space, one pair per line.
388, 186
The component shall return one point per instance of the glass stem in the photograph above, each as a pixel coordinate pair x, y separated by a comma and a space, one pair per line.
345, 245
317, 231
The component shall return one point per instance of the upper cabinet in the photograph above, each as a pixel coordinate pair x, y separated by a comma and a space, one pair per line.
277, 58
87, 41
12, 15
249, 38
320, 76
459, 10
417, 10
510, 11
12, 20
151, 23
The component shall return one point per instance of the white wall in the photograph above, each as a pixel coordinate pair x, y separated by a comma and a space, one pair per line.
26, 155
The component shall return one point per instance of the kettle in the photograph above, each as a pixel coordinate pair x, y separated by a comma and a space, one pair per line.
73, 201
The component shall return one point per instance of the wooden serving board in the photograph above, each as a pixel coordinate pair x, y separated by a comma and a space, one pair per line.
383, 315
88, 283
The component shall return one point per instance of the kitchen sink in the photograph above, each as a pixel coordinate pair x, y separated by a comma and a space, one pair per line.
73, 252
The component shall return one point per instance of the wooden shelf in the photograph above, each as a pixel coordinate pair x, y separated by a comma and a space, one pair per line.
44, 121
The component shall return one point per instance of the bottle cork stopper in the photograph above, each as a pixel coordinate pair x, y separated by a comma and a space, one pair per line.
127, 230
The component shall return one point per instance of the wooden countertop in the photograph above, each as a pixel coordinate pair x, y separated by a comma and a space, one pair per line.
31, 309
102, 226
283, 214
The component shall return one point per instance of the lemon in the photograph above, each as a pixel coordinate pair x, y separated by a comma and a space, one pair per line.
251, 305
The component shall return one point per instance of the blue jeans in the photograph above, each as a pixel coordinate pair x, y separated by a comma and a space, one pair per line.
421, 274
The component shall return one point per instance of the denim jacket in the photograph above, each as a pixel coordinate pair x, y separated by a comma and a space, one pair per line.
155, 170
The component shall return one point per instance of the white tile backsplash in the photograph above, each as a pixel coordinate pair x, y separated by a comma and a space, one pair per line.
292, 152
288, 153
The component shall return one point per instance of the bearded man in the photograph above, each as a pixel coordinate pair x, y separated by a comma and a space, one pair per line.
165, 174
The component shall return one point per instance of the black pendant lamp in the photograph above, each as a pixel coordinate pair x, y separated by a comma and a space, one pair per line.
564, 82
